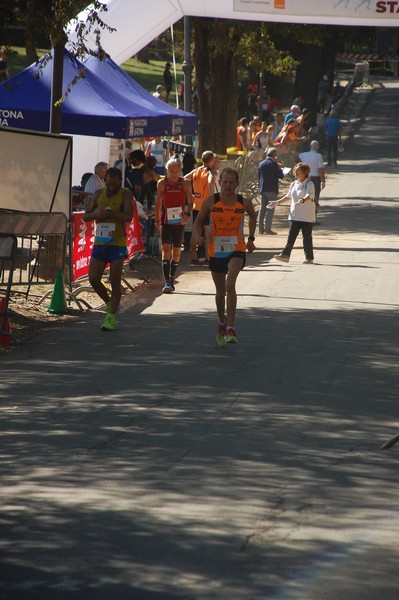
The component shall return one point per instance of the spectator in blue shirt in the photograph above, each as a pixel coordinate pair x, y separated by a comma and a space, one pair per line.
332, 127
270, 171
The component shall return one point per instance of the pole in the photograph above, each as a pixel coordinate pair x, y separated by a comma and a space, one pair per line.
260, 94
187, 70
56, 87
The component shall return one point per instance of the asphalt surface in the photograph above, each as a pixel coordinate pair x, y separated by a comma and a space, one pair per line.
149, 464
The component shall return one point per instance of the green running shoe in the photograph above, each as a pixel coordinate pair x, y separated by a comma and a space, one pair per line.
230, 337
110, 323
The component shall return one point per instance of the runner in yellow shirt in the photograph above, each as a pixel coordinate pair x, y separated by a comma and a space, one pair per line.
111, 208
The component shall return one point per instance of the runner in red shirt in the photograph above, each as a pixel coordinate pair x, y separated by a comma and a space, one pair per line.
173, 209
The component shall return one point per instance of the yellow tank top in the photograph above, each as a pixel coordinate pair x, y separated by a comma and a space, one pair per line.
109, 232
226, 228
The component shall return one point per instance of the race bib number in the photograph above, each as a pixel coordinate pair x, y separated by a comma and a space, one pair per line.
225, 245
105, 231
174, 214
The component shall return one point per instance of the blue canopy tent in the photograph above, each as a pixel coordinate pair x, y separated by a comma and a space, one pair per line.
92, 107
180, 121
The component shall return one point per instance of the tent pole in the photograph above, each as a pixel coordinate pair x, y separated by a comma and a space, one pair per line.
123, 162
174, 65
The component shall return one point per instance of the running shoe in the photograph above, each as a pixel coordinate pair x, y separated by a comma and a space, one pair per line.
230, 337
221, 334
167, 288
308, 261
110, 323
282, 258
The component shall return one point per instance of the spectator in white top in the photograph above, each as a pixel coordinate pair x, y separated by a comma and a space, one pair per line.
314, 159
302, 213
159, 92
96, 181
158, 148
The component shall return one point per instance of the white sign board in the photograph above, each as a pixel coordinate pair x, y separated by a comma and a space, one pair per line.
35, 171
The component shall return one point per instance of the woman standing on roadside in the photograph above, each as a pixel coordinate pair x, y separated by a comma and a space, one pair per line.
302, 213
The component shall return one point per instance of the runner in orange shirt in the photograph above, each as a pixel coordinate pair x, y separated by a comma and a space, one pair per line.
203, 180
227, 247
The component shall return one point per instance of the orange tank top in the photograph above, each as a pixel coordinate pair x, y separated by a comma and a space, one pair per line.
200, 186
227, 228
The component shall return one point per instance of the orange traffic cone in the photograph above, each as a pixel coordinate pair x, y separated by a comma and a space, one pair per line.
5, 326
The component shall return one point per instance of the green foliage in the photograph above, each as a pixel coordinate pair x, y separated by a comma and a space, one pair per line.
258, 51
290, 34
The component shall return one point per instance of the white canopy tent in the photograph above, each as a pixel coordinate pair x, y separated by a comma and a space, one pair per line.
137, 23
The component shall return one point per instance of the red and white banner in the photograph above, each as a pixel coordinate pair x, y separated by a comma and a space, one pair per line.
83, 235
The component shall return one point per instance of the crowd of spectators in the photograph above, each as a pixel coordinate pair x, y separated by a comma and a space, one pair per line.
267, 125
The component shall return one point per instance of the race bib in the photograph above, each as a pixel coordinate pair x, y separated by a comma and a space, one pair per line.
104, 232
174, 214
225, 245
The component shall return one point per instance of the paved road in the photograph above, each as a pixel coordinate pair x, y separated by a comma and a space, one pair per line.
148, 464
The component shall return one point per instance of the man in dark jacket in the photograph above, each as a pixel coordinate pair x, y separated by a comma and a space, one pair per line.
168, 80
270, 171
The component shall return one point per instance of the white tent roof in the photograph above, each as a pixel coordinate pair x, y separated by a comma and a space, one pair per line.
137, 23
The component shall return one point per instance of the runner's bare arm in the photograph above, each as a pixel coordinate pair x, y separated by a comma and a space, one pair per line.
189, 196
158, 203
250, 210
205, 210
189, 176
91, 211
190, 201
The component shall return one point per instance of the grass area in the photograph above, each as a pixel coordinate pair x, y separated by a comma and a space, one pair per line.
148, 75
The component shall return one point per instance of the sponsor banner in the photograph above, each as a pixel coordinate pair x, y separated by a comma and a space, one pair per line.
83, 235
137, 127
177, 126
338, 9
82, 243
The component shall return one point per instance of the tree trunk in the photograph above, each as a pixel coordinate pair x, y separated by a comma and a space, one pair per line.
203, 83
217, 92
307, 79
30, 32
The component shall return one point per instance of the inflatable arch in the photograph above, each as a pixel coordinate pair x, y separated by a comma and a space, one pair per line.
137, 23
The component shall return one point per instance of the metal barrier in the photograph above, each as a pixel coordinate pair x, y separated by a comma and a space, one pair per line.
8, 249
41, 245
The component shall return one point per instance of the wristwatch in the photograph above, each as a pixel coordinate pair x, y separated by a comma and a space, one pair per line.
251, 238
